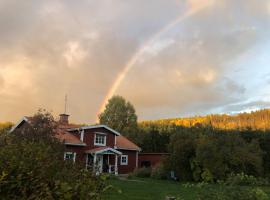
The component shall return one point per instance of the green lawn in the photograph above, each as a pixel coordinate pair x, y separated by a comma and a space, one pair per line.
148, 189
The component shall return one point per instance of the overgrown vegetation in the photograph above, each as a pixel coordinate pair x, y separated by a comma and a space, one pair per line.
5, 127
32, 166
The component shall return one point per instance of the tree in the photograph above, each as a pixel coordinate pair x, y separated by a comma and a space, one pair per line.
119, 115
32, 165
182, 149
5, 126
220, 155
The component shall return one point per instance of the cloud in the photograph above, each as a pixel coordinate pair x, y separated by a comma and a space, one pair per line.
50, 48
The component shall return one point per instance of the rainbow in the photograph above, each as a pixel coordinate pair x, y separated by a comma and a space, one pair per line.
195, 7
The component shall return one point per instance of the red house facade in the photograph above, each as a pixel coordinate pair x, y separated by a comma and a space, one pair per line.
101, 148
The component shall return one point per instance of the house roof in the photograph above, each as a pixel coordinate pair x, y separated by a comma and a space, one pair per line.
63, 133
93, 127
60, 132
125, 144
101, 150
68, 138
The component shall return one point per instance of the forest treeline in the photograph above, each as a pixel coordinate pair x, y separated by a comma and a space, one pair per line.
210, 148
257, 120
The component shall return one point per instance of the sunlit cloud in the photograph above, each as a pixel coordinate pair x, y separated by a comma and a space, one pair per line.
212, 61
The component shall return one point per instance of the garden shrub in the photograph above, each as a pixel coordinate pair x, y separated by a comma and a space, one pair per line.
142, 172
32, 166
159, 172
245, 180
232, 193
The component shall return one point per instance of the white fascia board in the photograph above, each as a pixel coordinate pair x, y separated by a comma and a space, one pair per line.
24, 119
71, 144
129, 149
97, 126
109, 149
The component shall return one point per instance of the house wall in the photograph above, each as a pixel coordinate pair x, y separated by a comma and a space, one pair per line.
89, 137
125, 169
79, 150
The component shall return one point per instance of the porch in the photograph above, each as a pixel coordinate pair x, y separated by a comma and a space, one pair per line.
103, 160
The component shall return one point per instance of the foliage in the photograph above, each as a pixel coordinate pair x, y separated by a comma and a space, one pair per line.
221, 155
245, 180
159, 172
152, 139
142, 172
258, 120
32, 166
119, 115
5, 127
182, 149
232, 193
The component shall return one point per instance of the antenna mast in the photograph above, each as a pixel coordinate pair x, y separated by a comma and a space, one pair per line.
65, 104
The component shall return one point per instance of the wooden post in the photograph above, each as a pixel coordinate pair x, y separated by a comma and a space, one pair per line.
86, 165
94, 163
116, 165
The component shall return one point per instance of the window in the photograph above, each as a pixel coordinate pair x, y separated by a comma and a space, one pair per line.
124, 160
70, 156
100, 139
146, 164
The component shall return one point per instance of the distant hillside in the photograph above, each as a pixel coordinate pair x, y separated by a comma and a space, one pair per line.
258, 120
5, 126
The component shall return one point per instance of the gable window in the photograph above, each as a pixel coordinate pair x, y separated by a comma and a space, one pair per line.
124, 160
100, 139
70, 156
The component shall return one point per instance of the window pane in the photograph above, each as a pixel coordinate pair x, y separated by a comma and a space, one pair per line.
100, 139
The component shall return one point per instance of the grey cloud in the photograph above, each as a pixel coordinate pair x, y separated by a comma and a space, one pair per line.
186, 77
243, 106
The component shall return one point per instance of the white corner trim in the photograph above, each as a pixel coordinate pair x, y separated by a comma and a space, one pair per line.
82, 135
137, 159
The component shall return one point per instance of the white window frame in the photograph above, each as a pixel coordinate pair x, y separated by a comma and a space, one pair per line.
121, 161
100, 144
70, 153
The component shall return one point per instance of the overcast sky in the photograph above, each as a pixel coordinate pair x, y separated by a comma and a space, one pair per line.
214, 61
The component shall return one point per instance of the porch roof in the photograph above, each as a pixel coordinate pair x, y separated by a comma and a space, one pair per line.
103, 150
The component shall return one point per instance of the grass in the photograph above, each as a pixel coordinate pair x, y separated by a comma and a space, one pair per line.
148, 189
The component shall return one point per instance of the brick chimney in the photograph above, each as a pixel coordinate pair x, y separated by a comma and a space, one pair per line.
63, 119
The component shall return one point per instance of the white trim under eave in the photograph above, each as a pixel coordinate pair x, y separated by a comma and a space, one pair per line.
24, 119
97, 126
129, 149
107, 149
71, 144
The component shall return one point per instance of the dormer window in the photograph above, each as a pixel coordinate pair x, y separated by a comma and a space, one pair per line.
100, 139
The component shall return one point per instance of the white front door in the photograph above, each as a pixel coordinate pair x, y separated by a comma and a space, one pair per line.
99, 163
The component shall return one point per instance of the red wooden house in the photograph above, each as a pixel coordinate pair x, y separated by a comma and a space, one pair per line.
99, 147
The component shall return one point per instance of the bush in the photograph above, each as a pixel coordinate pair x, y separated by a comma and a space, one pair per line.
232, 193
245, 180
159, 172
142, 172
32, 166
